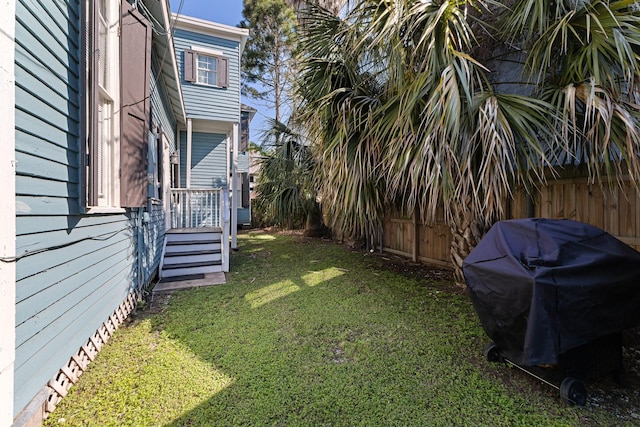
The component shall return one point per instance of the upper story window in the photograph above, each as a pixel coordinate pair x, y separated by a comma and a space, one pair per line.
207, 70
206, 67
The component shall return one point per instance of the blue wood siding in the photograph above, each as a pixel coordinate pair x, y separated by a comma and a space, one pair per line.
208, 160
73, 269
153, 230
243, 162
160, 111
152, 240
206, 102
244, 216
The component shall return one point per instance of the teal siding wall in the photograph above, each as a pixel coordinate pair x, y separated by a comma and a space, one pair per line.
73, 269
206, 102
243, 162
151, 241
160, 110
244, 216
208, 160
152, 235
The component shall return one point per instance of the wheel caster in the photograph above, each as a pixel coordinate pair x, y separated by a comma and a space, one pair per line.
573, 392
492, 353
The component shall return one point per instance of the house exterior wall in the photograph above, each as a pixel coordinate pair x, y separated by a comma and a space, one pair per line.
160, 111
73, 269
7, 211
153, 226
208, 160
208, 102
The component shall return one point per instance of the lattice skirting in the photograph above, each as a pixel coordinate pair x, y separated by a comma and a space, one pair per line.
68, 375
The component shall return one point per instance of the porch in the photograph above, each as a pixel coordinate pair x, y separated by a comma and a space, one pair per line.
197, 243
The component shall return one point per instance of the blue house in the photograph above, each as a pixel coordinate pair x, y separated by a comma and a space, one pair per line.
109, 151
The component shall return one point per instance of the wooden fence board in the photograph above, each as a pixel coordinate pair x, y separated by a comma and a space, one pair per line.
614, 209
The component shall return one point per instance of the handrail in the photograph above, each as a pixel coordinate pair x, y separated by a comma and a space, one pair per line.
196, 207
202, 208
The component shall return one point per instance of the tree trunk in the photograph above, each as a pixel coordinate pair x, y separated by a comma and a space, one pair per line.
466, 232
313, 224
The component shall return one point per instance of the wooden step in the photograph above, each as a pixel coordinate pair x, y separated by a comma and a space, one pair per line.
179, 249
193, 252
179, 271
192, 242
187, 265
180, 260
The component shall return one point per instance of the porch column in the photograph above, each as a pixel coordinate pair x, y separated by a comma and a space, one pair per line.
234, 187
7, 211
188, 160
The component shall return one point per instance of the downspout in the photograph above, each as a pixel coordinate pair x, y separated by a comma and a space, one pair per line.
140, 222
7, 212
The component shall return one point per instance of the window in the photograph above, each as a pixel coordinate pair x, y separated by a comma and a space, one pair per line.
106, 117
117, 46
207, 70
206, 67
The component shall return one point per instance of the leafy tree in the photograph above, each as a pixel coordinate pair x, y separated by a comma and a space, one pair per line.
451, 104
268, 58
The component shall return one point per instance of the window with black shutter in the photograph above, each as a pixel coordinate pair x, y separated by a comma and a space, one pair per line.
117, 47
206, 68
135, 77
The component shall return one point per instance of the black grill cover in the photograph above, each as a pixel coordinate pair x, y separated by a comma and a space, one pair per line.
542, 287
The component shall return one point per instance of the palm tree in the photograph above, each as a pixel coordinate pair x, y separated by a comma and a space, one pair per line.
285, 190
452, 103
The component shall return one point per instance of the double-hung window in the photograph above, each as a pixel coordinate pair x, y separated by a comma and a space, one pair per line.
117, 46
206, 67
207, 70
105, 120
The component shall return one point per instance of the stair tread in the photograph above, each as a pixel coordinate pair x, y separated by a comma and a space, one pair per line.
199, 230
192, 242
192, 253
183, 277
191, 264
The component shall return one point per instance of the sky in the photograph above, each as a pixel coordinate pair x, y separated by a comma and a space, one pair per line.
228, 12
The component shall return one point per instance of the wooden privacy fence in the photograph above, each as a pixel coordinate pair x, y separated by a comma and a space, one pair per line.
615, 209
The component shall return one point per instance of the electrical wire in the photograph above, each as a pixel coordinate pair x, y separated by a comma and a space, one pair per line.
99, 238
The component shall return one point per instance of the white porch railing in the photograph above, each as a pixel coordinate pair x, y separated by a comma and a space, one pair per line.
198, 207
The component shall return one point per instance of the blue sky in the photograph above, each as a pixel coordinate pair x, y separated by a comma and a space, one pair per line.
228, 12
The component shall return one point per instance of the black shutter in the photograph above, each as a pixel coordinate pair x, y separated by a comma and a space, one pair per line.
135, 61
190, 66
244, 132
90, 156
245, 189
223, 71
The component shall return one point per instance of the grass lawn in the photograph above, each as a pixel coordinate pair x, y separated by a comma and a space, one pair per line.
309, 333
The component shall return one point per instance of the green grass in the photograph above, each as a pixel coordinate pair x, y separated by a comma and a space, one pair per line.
308, 333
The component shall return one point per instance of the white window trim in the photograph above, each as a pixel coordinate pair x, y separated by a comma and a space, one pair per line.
207, 51
111, 202
105, 209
